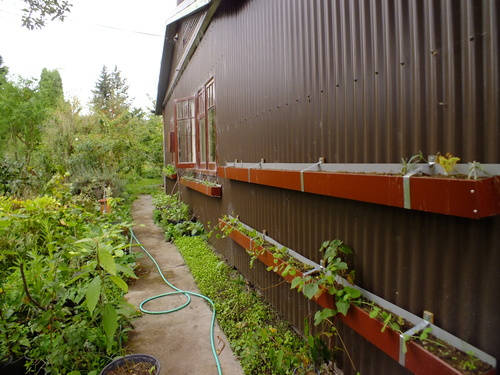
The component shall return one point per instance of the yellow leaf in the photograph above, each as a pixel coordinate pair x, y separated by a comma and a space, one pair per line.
448, 163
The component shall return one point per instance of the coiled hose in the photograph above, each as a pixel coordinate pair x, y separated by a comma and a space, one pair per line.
186, 293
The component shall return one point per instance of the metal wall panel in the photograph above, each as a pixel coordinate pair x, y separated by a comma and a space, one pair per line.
185, 30
365, 82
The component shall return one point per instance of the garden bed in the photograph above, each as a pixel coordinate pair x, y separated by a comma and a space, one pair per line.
462, 197
421, 357
204, 187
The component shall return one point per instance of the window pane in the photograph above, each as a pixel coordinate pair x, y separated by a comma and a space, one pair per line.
211, 135
201, 102
186, 140
180, 140
178, 108
191, 108
203, 140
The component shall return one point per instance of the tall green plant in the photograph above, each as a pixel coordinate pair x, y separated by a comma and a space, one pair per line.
75, 316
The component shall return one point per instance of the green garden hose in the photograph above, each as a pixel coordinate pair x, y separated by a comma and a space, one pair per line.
186, 293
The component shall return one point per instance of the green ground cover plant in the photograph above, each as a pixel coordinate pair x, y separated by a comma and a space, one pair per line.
264, 343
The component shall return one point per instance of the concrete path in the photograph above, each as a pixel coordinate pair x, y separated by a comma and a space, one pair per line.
180, 340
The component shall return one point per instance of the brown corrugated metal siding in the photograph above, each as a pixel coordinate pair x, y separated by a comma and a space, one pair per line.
359, 82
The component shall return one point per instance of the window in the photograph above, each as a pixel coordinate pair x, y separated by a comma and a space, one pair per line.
206, 126
195, 131
185, 129
202, 129
211, 134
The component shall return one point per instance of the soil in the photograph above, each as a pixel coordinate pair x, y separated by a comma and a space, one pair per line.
457, 359
134, 368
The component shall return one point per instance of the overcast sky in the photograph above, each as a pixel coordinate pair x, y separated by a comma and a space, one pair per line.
95, 33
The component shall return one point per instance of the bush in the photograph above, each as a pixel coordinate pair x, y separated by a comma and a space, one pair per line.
74, 318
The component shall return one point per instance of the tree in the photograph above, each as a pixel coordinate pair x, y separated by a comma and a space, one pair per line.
110, 96
50, 87
3, 69
23, 111
38, 11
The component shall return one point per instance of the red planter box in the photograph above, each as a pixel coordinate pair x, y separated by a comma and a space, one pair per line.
418, 360
172, 176
473, 199
211, 191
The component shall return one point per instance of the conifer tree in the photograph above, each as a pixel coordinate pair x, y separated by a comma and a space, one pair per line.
50, 87
110, 96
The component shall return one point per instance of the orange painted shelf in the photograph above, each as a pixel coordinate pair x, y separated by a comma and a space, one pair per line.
472, 199
418, 360
211, 191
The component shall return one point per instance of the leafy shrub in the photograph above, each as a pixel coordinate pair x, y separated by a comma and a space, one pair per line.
169, 209
74, 318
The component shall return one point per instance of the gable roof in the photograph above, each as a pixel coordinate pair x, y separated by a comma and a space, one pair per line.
183, 10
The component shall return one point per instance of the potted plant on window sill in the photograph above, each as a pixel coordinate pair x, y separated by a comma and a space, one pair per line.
170, 172
205, 187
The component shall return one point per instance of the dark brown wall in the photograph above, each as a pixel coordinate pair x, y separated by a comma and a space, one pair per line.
360, 81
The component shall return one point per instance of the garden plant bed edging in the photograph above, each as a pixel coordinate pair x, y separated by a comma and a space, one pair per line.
461, 197
417, 358
199, 186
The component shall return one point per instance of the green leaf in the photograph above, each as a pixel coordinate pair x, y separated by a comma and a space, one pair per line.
109, 323
425, 333
374, 313
322, 315
127, 271
107, 261
92, 294
279, 358
286, 270
343, 307
120, 283
310, 289
296, 282
24, 341
353, 293
386, 322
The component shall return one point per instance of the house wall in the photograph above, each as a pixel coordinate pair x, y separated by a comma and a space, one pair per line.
359, 82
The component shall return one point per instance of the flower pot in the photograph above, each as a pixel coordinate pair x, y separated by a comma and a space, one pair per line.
418, 359
131, 359
473, 199
211, 191
105, 207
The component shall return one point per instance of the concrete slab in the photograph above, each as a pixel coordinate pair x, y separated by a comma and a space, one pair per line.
180, 340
